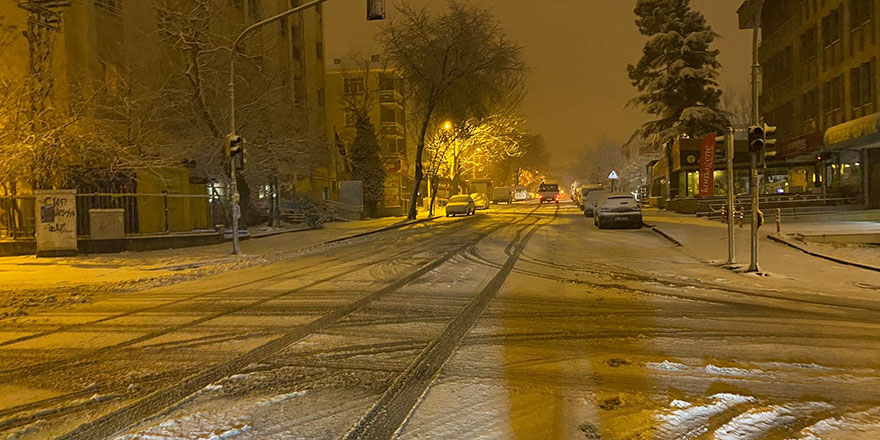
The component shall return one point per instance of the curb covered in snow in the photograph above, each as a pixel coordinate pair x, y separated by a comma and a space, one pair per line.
837, 260
668, 237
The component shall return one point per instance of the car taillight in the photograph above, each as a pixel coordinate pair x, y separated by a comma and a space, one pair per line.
557, 197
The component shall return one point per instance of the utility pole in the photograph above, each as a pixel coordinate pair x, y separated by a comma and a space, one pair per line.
755, 120
375, 11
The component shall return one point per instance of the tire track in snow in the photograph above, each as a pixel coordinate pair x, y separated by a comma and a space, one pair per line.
396, 405
159, 401
97, 355
68, 327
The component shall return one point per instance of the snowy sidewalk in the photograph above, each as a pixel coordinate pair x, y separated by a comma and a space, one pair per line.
29, 281
788, 268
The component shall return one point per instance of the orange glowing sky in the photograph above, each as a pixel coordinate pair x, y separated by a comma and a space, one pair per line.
577, 52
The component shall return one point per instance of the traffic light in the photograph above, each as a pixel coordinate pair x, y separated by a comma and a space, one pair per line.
762, 140
375, 10
756, 139
769, 141
235, 150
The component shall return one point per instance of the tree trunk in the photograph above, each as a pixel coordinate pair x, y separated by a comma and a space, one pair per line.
435, 185
419, 174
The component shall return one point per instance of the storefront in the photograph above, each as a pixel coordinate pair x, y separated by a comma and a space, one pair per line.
852, 159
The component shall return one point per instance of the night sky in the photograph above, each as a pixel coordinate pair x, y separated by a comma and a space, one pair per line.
577, 52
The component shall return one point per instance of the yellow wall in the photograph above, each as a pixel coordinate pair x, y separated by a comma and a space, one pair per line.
184, 214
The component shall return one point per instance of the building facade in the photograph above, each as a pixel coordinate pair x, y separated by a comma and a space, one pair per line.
103, 47
379, 93
819, 63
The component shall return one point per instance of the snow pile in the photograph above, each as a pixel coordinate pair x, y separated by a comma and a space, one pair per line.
757, 423
666, 366
195, 426
730, 371
679, 404
863, 425
692, 421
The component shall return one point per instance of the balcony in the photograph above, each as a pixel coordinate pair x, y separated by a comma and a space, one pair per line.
393, 128
390, 97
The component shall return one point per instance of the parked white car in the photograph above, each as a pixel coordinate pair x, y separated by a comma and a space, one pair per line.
460, 205
618, 210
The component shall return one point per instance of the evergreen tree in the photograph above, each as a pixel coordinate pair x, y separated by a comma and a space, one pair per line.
677, 74
366, 164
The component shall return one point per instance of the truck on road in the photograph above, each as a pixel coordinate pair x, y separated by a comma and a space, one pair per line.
548, 192
503, 194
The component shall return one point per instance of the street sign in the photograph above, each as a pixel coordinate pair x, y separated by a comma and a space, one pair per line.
707, 166
613, 175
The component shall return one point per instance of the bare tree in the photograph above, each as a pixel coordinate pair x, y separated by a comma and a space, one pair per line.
279, 140
457, 64
737, 105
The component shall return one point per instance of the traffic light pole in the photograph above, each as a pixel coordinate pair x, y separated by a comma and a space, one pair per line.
756, 117
731, 197
236, 208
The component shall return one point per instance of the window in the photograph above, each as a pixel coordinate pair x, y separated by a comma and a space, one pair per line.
776, 15
354, 86
111, 6
862, 89
860, 13
386, 81
388, 115
831, 25
832, 100
778, 69
809, 106
808, 45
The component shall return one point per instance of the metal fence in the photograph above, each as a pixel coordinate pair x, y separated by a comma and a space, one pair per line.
17, 217
154, 213
142, 213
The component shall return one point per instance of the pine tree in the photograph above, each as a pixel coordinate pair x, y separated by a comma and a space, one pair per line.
366, 164
677, 74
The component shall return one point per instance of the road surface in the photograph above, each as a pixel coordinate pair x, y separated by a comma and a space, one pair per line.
523, 322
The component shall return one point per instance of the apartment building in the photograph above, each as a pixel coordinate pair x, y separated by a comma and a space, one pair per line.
819, 62
381, 93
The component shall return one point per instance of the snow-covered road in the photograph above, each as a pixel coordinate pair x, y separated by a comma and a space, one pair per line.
524, 322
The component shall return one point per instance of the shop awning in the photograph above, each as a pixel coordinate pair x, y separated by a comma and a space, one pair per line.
658, 171
857, 133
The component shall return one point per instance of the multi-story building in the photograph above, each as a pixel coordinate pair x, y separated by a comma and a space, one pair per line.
379, 91
820, 82
107, 45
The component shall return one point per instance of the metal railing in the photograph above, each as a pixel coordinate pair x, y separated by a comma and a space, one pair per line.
17, 217
162, 213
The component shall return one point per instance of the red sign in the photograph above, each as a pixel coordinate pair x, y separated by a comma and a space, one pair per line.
707, 166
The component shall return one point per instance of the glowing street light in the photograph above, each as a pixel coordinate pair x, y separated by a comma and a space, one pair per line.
448, 126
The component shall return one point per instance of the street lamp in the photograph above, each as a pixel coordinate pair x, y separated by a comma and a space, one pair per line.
448, 125
375, 11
